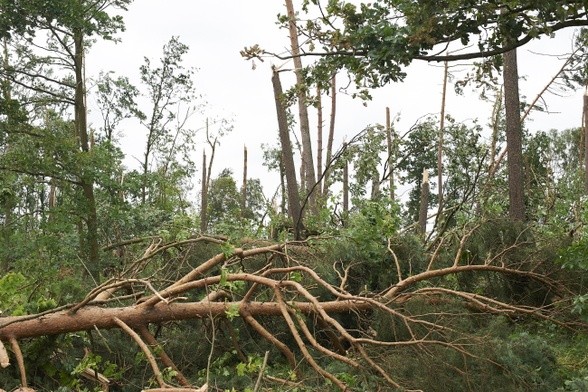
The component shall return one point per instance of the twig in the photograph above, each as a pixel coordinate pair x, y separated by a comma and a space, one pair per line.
261, 370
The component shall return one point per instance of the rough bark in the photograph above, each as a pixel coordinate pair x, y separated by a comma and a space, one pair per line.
514, 143
319, 143
585, 133
294, 206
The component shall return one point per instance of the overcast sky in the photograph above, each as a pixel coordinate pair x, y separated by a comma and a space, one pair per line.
216, 30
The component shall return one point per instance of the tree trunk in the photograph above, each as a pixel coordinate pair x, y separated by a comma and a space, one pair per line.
513, 137
329, 152
86, 180
585, 133
244, 188
440, 145
204, 196
319, 143
294, 207
346, 188
307, 157
424, 206
390, 141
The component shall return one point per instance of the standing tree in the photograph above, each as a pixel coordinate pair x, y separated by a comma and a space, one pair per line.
54, 73
375, 42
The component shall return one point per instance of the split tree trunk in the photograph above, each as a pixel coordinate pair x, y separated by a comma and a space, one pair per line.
294, 207
307, 156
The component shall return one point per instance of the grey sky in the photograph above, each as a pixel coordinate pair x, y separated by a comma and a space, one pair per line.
216, 30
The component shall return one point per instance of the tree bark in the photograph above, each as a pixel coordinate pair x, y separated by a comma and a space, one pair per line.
346, 187
390, 140
585, 133
294, 206
244, 188
513, 137
307, 156
424, 206
319, 143
329, 152
86, 180
440, 145
204, 196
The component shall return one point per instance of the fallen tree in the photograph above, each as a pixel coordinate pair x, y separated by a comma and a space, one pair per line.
259, 283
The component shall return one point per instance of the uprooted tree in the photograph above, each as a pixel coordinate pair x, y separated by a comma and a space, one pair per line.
313, 305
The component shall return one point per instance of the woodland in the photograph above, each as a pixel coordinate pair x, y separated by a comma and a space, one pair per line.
123, 279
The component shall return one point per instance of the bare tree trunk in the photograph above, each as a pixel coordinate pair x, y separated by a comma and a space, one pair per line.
204, 196
346, 188
585, 133
319, 142
329, 152
514, 137
87, 182
307, 157
244, 189
424, 206
440, 145
294, 207
390, 140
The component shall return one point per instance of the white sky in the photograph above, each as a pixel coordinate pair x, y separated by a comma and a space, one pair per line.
216, 30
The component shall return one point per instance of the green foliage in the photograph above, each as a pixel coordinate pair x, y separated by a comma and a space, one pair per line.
13, 297
374, 42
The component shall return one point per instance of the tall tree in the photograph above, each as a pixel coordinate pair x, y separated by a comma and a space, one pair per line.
514, 137
301, 93
67, 28
170, 90
374, 42
294, 206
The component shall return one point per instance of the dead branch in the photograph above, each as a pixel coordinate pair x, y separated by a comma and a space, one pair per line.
156, 372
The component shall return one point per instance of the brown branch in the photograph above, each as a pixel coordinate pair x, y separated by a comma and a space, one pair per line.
20, 361
150, 358
148, 337
260, 329
304, 350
